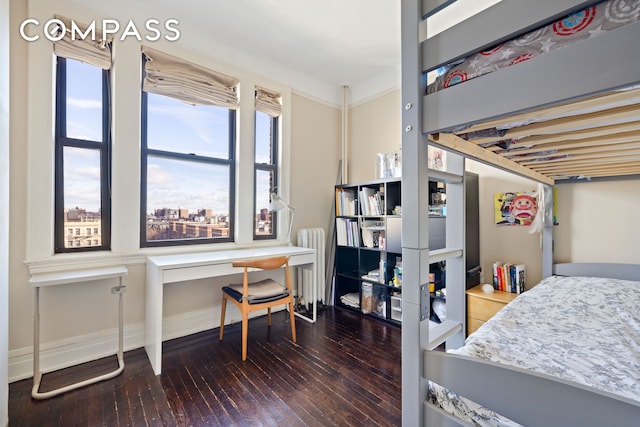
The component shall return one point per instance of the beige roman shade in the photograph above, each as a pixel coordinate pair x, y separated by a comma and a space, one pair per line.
94, 49
268, 102
188, 82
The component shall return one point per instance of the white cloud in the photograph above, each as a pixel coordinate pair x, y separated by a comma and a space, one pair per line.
156, 174
84, 103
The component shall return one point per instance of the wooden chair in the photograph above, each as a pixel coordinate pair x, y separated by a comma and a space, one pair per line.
266, 293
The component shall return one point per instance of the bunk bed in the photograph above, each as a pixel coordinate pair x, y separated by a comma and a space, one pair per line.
570, 113
573, 344
562, 98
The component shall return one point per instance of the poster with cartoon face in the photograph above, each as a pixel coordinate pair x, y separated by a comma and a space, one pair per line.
515, 208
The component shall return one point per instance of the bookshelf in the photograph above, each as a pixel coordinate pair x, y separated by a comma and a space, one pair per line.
368, 267
370, 236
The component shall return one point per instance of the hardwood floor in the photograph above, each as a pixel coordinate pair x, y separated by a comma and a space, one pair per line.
344, 371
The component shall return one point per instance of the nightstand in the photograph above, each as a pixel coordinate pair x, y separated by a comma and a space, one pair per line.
482, 306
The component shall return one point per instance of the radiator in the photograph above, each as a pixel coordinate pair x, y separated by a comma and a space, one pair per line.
312, 238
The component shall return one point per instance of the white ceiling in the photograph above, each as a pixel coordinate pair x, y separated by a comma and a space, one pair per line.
313, 46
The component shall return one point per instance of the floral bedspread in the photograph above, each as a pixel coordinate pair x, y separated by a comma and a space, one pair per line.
581, 329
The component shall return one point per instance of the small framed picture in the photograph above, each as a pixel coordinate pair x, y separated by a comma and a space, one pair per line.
437, 158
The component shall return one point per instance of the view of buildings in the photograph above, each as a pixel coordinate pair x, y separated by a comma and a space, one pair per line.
83, 228
172, 224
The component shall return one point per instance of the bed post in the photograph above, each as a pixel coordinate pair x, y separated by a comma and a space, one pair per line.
547, 232
415, 207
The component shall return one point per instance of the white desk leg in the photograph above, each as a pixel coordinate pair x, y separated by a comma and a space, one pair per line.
153, 317
314, 271
314, 283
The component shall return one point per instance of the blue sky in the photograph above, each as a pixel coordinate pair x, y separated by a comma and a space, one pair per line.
173, 126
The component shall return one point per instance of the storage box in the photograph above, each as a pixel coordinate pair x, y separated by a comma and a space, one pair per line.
368, 300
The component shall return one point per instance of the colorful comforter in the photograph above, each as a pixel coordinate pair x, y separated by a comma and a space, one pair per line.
581, 25
585, 330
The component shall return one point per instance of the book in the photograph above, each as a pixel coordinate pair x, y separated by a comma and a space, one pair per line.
520, 273
495, 275
345, 202
347, 232
509, 277
371, 202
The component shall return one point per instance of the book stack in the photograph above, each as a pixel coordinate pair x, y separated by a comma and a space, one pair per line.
509, 277
347, 233
371, 202
346, 202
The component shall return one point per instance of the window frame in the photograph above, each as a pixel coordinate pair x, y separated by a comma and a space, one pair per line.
266, 167
146, 152
104, 148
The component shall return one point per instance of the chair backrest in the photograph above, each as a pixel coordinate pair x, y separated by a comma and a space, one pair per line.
272, 263
264, 263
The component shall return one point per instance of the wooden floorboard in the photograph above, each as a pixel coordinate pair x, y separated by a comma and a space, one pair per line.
343, 371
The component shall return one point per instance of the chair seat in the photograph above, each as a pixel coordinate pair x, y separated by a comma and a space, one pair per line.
263, 291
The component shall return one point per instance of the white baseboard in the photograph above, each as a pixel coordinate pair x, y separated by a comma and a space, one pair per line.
72, 351
84, 348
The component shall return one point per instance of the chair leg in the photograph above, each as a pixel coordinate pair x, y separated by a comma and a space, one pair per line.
245, 330
269, 316
223, 310
292, 320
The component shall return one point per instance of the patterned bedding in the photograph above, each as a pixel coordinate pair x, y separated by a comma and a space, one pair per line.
585, 330
581, 25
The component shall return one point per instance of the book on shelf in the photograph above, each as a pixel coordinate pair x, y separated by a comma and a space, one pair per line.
509, 277
346, 202
520, 277
371, 202
347, 232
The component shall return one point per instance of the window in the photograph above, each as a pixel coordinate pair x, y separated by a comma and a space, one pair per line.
82, 152
188, 165
266, 137
268, 108
82, 144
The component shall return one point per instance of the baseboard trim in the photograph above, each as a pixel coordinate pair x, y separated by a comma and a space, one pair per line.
84, 348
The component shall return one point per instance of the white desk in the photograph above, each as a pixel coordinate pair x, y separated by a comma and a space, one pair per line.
165, 269
39, 280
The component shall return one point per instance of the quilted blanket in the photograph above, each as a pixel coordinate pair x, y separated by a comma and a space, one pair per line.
581, 25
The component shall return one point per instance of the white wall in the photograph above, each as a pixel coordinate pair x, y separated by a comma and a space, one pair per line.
75, 318
512, 244
374, 127
315, 153
4, 219
598, 222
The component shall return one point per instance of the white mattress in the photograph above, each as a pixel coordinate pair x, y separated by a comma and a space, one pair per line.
585, 330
